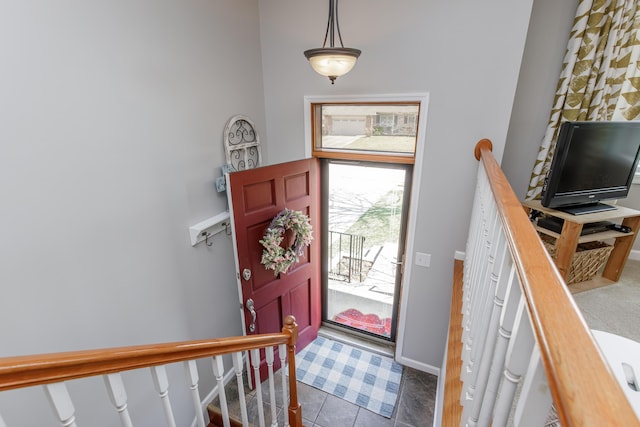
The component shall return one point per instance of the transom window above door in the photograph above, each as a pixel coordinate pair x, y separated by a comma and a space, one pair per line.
367, 131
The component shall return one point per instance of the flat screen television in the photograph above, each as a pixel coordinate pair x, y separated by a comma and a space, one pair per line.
593, 161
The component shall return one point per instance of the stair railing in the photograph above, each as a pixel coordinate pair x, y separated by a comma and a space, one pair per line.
526, 349
52, 371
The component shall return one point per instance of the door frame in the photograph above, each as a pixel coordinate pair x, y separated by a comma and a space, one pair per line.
423, 99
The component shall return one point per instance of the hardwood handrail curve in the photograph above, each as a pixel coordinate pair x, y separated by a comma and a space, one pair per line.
25, 371
482, 144
584, 389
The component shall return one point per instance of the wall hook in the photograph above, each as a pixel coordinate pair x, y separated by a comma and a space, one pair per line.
227, 228
209, 227
206, 238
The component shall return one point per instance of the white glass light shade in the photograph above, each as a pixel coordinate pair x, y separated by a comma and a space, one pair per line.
332, 62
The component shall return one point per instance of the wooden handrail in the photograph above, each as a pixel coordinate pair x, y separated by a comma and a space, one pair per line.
584, 389
25, 371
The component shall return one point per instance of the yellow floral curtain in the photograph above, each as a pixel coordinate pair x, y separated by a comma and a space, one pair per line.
600, 77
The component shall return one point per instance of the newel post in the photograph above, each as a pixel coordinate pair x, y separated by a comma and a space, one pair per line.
295, 412
481, 145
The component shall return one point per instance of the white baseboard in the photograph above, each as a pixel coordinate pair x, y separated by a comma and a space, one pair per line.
405, 361
634, 254
439, 404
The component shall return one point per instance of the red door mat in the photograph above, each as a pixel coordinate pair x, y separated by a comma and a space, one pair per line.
367, 322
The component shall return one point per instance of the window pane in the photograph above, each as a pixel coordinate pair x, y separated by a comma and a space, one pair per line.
390, 128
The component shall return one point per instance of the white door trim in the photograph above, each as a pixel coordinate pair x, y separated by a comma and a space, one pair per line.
423, 98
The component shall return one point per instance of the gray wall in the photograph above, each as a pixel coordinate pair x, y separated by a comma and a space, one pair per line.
547, 38
111, 121
466, 54
551, 22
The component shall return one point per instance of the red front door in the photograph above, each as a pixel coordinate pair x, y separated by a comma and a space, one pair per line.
256, 197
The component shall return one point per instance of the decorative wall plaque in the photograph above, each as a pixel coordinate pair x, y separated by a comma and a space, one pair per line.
241, 144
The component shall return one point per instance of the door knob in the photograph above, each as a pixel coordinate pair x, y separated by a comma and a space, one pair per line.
251, 307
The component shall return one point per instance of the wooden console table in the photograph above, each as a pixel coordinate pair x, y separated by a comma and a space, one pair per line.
569, 238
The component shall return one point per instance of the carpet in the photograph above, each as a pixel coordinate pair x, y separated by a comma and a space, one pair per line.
367, 322
366, 379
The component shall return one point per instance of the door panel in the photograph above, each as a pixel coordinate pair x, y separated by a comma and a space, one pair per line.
259, 196
268, 315
256, 197
261, 276
296, 186
301, 303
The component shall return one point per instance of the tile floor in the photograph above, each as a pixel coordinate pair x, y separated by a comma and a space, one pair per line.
414, 408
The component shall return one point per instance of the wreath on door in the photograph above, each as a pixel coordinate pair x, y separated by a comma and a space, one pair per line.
281, 259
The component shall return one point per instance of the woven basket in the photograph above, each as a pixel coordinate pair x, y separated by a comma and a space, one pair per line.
586, 261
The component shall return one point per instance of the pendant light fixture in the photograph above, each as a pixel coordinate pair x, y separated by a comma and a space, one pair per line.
332, 61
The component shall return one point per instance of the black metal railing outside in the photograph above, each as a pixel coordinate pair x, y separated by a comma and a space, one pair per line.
348, 250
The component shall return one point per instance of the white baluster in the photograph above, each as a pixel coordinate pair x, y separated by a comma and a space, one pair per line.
237, 366
161, 383
118, 397
472, 338
474, 243
272, 389
192, 374
2, 423
471, 273
282, 352
518, 356
255, 361
507, 320
484, 291
535, 400
479, 270
469, 296
472, 281
481, 309
477, 265
218, 371
249, 379
500, 275
468, 250
61, 403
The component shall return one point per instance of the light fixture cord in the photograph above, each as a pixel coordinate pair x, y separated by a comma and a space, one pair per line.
332, 23
338, 23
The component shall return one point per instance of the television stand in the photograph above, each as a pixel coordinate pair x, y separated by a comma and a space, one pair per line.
587, 208
569, 237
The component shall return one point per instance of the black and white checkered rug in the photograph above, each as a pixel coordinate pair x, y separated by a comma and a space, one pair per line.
357, 376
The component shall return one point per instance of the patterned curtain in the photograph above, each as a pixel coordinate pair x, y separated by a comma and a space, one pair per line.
600, 77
